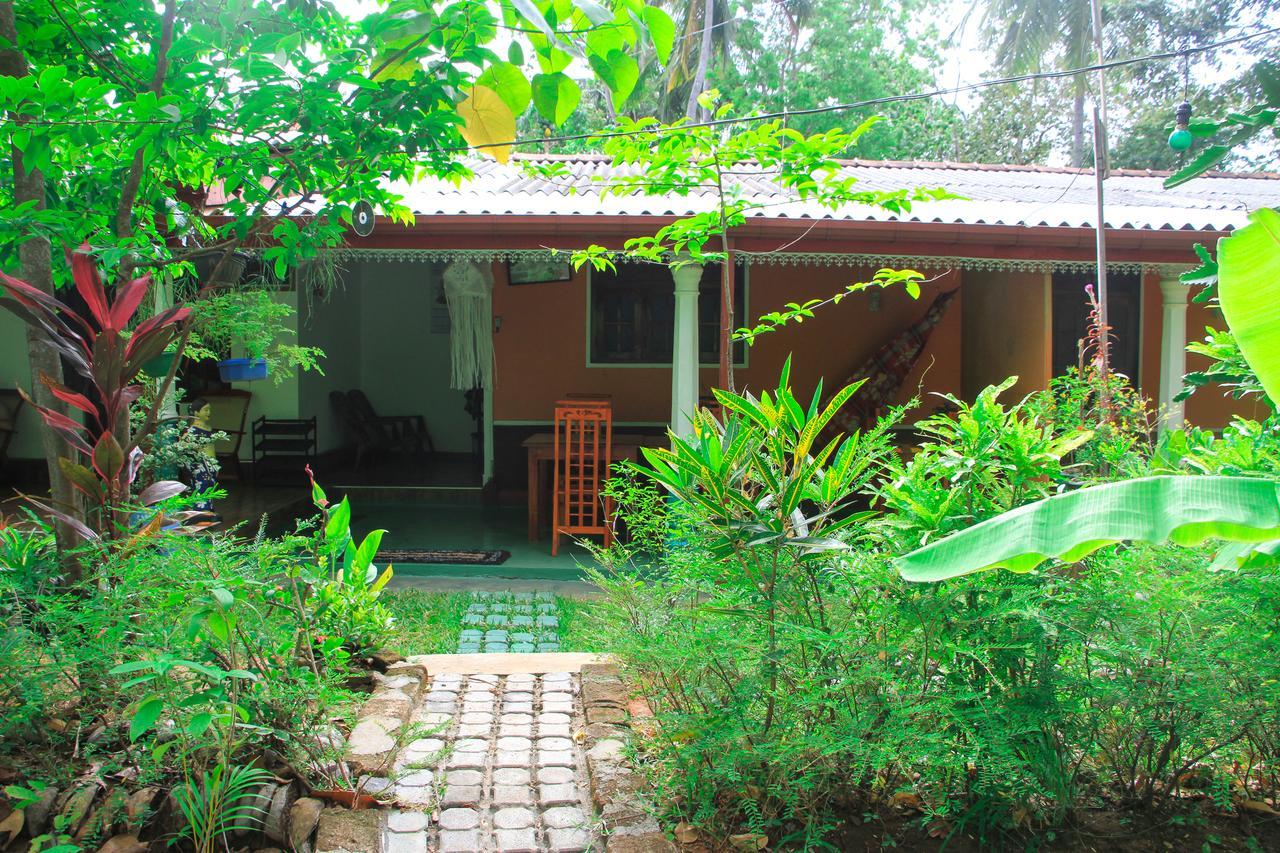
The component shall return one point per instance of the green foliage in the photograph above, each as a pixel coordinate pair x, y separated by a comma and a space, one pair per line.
798, 57
796, 685
424, 623
1108, 407
681, 159
975, 462
1236, 129
255, 321
219, 802
1067, 527
192, 655
1248, 291
1227, 368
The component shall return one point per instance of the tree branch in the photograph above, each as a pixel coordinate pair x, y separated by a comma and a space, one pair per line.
129, 195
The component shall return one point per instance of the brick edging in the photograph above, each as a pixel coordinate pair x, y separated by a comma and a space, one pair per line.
618, 791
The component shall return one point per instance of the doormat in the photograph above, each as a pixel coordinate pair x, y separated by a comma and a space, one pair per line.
444, 555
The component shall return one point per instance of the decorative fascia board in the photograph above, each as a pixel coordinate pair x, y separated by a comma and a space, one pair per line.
851, 259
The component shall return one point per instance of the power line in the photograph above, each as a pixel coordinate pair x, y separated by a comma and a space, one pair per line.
887, 99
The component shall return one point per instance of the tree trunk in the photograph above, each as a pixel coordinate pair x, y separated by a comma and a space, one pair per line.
692, 108
36, 258
1077, 122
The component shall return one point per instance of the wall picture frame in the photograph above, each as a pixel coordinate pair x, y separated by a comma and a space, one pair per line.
538, 270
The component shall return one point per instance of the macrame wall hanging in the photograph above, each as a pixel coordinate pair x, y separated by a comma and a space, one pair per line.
468, 288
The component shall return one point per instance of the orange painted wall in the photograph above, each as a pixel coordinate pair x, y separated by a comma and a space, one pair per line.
1209, 407
1006, 331
540, 345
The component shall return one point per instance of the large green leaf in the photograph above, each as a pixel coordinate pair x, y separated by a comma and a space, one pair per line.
1182, 510
619, 71
555, 96
662, 30
509, 83
1249, 293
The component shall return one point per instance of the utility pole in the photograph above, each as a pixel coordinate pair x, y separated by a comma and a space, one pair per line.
1099, 176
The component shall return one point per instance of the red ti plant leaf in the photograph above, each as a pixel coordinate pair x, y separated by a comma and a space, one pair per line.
82, 478
118, 405
135, 462
168, 317
66, 395
108, 457
161, 491
84, 272
128, 298
71, 521
69, 429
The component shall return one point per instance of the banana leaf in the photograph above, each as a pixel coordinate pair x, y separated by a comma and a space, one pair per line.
1249, 294
1183, 510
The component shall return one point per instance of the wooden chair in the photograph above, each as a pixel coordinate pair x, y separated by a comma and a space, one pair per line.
10, 407
369, 437
583, 451
230, 413
407, 430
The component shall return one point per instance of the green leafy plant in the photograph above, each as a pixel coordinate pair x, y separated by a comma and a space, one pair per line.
1182, 510
1234, 130
218, 802
348, 612
979, 460
255, 321
682, 159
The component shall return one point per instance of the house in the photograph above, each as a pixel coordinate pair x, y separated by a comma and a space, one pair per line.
1017, 247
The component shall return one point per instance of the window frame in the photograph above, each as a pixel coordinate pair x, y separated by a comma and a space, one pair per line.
627, 365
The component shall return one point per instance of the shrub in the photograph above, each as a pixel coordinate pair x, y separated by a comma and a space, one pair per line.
799, 683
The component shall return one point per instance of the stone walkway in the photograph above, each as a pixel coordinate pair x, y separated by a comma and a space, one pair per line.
501, 771
497, 753
500, 622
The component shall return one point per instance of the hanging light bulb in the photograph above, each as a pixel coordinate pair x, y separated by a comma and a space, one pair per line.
1181, 138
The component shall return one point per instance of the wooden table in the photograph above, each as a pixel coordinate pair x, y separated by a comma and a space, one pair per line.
541, 447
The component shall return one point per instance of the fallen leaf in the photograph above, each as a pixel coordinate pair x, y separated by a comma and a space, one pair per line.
749, 841
686, 833
1258, 806
907, 800
11, 826
123, 844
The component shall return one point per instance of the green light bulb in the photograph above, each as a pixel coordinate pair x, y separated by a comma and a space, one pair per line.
1180, 139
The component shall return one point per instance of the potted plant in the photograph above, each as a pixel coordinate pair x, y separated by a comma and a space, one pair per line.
252, 321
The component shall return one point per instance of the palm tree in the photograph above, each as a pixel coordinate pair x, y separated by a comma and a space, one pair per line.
703, 39
1037, 33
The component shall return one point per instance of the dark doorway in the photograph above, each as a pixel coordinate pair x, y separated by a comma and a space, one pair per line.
1071, 319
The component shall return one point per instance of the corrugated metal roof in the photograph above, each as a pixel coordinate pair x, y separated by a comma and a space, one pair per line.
992, 195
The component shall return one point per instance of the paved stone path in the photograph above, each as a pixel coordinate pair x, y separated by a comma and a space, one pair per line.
501, 768
501, 622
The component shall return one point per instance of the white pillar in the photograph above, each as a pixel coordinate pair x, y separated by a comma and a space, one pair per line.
684, 349
1173, 352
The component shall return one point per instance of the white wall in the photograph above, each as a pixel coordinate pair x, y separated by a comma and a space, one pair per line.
15, 371
334, 326
405, 362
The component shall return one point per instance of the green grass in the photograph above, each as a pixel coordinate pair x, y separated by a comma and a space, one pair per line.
577, 630
427, 623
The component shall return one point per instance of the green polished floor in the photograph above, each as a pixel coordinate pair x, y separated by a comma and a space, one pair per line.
422, 525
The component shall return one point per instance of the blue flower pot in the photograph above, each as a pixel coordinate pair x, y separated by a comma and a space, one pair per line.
242, 369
